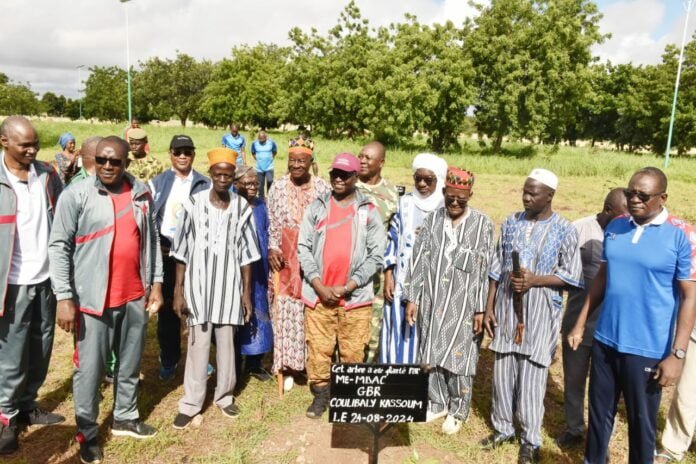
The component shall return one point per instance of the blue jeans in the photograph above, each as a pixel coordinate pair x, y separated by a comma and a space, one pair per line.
265, 178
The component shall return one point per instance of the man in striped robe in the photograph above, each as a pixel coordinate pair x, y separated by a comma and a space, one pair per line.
446, 285
550, 262
215, 244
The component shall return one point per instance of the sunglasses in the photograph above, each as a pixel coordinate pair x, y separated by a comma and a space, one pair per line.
338, 174
429, 180
114, 162
642, 196
458, 200
187, 153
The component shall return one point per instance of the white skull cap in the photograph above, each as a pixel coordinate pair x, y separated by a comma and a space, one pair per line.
544, 176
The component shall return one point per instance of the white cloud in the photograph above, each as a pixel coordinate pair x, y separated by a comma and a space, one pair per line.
44, 40
633, 25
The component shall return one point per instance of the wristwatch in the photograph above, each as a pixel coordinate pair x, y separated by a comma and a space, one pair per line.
679, 353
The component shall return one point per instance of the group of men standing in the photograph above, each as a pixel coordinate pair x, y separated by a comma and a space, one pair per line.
128, 238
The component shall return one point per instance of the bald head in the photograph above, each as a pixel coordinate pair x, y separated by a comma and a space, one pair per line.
371, 162
87, 152
19, 141
614, 205
13, 123
378, 148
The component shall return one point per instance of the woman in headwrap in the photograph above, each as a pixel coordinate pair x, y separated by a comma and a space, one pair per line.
255, 338
398, 341
66, 161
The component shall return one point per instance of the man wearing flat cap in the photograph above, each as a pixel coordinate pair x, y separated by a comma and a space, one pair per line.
214, 246
340, 249
525, 339
445, 289
141, 163
169, 191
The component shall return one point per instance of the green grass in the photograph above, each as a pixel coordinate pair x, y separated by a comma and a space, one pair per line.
271, 430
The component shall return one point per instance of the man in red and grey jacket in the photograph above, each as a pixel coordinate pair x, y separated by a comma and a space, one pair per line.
28, 191
106, 271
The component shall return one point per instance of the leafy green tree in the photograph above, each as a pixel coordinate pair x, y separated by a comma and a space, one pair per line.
246, 87
106, 94
530, 59
17, 99
53, 104
166, 88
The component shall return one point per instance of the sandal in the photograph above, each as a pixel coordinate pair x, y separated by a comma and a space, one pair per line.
664, 456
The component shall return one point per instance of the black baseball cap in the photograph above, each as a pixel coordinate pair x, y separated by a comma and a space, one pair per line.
181, 141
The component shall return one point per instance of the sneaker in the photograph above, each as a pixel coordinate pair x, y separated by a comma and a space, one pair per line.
319, 403
181, 421
132, 428
167, 373
231, 411
38, 416
451, 425
261, 374
288, 382
495, 440
90, 452
433, 416
569, 440
8, 439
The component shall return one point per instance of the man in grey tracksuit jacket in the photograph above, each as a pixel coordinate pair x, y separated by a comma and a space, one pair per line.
80, 249
340, 248
28, 191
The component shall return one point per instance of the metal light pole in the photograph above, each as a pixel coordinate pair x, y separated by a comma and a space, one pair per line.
687, 6
79, 86
128, 71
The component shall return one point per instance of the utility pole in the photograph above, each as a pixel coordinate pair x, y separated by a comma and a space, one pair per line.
128, 66
79, 86
687, 6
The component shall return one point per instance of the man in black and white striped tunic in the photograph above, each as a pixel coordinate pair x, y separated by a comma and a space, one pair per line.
446, 286
215, 244
550, 262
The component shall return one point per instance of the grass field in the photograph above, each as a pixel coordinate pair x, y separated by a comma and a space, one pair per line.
271, 430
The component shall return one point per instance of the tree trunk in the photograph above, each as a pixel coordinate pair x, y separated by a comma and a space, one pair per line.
497, 143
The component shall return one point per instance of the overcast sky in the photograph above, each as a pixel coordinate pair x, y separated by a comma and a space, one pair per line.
43, 41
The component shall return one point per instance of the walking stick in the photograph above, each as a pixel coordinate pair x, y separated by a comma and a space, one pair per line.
276, 288
517, 303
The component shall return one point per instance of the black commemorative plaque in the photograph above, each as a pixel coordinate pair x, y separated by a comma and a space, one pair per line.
374, 393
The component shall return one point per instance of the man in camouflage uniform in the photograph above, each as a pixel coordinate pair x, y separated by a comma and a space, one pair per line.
141, 164
385, 197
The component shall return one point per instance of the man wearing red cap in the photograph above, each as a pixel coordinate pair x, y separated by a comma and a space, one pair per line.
446, 286
337, 283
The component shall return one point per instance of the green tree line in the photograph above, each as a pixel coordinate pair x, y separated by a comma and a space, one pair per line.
522, 69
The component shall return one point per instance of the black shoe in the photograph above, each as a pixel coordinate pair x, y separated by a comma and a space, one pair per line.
132, 428
528, 454
8, 439
90, 452
261, 374
181, 421
319, 403
569, 440
495, 440
38, 416
231, 411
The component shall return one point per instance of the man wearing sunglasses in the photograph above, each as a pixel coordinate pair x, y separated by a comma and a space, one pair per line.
169, 190
28, 191
646, 287
106, 273
341, 245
